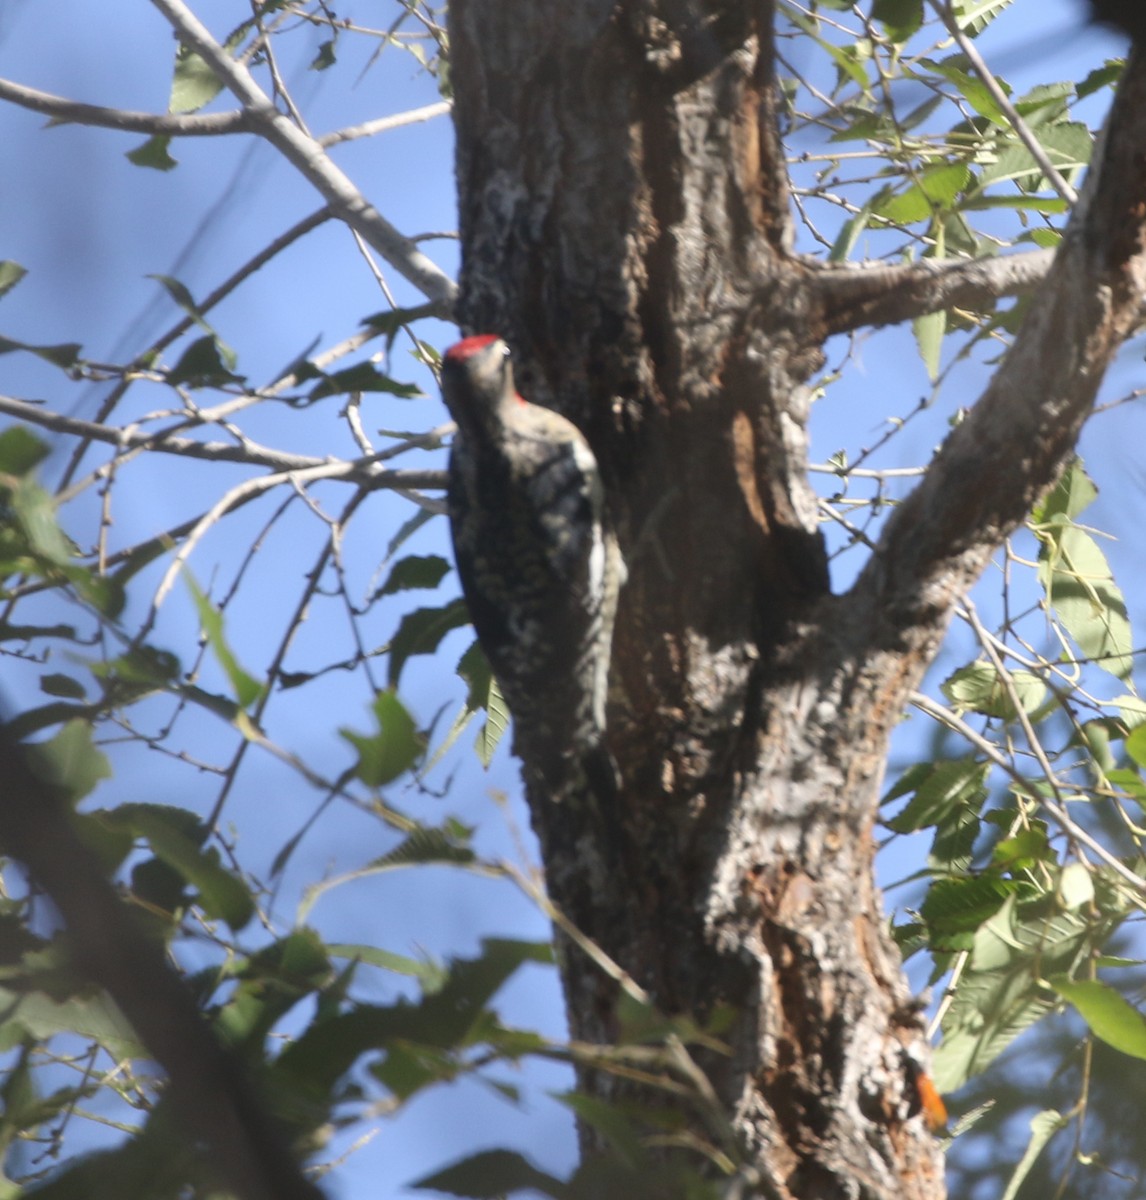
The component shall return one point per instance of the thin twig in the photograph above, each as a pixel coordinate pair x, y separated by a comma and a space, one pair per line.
946, 14
312, 160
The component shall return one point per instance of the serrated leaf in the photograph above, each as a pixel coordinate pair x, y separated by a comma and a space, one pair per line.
1105, 76
193, 83
1068, 146
247, 689
974, 16
942, 788
971, 88
1111, 1019
394, 749
1000, 995
495, 725
954, 906
425, 845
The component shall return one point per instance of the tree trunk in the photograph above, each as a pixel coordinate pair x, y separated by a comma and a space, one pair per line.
625, 224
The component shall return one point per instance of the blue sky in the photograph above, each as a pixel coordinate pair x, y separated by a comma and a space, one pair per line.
91, 227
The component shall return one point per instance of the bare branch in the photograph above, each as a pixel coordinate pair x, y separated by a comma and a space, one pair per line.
946, 14
358, 470
74, 112
308, 155
1015, 440
856, 295
382, 124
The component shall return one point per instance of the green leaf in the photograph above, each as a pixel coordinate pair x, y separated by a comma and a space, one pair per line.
495, 725
1000, 994
979, 688
490, 1175
69, 761
934, 190
421, 632
175, 836
10, 274
1044, 1126
941, 789
362, 377
154, 153
94, 1017
394, 749
1070, 496
416, 571
205, 363
21, 450
900, 18
56, 684
247, 690
325, 56
1075, 886
193, 83
849, 234
974, 16
929, 330
1111, 1018
970, 87
455, 1015
429, 974
954, 906
1080, 588
1105, 76
425, 845
1068, 146
64, 355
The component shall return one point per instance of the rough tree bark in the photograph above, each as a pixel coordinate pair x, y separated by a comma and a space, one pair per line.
625, 224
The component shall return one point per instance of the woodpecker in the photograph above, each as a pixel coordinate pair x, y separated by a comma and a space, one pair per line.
539, 564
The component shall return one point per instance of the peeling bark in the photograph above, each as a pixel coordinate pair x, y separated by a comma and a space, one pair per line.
625, 225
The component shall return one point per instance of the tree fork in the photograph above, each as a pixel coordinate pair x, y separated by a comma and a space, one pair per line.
624, 221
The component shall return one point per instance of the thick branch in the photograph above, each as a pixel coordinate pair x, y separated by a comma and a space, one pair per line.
308, 155
1011, 447
856, 295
